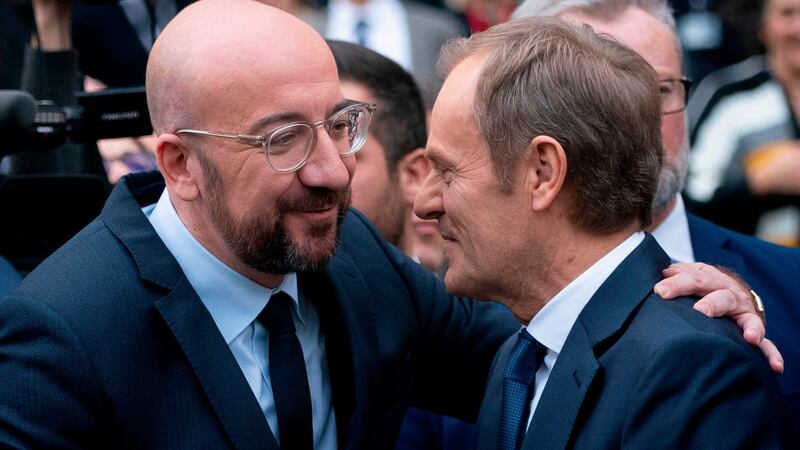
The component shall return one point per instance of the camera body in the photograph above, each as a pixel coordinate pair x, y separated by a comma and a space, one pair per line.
28, 124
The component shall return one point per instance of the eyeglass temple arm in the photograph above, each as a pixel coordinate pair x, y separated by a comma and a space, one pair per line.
243, 138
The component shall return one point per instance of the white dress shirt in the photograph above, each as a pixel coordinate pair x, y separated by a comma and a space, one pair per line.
387, 27
234, 301
673, 234
552, 324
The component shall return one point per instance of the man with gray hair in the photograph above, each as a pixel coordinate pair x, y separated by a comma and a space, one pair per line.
546, 152
648, 27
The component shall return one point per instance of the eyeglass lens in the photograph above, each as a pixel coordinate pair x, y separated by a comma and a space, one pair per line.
289, 146
673, 96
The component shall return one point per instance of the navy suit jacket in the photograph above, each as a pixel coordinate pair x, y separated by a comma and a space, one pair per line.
640, 372
107, 345
774, 273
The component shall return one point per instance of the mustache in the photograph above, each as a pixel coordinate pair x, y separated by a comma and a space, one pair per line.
315, 199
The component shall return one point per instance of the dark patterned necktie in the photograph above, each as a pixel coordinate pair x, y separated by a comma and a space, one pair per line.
361, 29
287, 371
518, 381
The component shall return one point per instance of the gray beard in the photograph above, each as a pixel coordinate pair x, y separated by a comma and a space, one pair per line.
671, 180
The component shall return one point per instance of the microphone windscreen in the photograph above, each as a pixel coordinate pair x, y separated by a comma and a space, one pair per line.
17, 109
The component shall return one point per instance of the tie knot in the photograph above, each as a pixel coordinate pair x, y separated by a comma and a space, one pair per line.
277, 315
524, 359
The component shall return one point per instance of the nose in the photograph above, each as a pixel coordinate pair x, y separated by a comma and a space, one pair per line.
325, 167
428, 202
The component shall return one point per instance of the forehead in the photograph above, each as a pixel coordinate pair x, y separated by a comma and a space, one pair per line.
643, 33
354, 90
776, 5
237, 96
453, 132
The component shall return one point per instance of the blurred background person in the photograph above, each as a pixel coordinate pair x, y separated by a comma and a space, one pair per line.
745, 164
407, 32
713, 33
391, 167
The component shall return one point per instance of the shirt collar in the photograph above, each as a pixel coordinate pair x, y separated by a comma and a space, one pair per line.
233, 300
673, 234
552, 324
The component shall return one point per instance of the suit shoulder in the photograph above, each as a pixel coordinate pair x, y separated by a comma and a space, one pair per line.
445, 21
746, 246
672, 319
93, 272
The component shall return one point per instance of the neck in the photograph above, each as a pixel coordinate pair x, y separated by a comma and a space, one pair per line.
660, 216
565, 260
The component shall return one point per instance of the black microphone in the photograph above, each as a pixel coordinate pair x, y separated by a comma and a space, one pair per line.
27, 124
17, 110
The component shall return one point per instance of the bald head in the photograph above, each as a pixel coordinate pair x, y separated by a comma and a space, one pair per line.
217, 48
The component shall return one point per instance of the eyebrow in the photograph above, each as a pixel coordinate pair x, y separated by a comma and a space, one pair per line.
264, 123
434, 155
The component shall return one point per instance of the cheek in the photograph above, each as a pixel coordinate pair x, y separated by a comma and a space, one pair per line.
350, 165
673, 134
367, 184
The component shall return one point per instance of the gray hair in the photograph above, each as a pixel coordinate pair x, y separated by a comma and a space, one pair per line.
602, 9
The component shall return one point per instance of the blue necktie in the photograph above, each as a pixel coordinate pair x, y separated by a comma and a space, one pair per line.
361, 29
287, 371
518, 380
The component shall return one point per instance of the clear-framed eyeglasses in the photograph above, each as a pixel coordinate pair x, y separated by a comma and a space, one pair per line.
674, 94
287, 147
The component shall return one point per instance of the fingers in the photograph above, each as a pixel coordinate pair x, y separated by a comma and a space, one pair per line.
688, 279
724, 294
753, 327
773, 355
701, 279
718, 304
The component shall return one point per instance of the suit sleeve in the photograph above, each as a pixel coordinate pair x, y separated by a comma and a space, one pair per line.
459, 338
49, 396
707, 392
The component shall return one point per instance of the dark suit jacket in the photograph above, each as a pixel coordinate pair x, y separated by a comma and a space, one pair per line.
640, 372
106, 344
774, 273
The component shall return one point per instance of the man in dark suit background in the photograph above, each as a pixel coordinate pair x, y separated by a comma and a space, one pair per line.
649, 29
603, 361
407, 31
155, 326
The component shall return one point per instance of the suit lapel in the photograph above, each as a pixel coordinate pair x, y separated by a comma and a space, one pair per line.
350, 328
561, 400
216, 368
188, 320
711, 247
600, 322
419, 47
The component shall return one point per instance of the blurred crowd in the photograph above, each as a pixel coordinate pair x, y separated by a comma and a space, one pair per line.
741, 57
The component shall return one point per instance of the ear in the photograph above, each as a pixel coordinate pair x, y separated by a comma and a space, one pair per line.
175, 163
412, 170
545, 171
